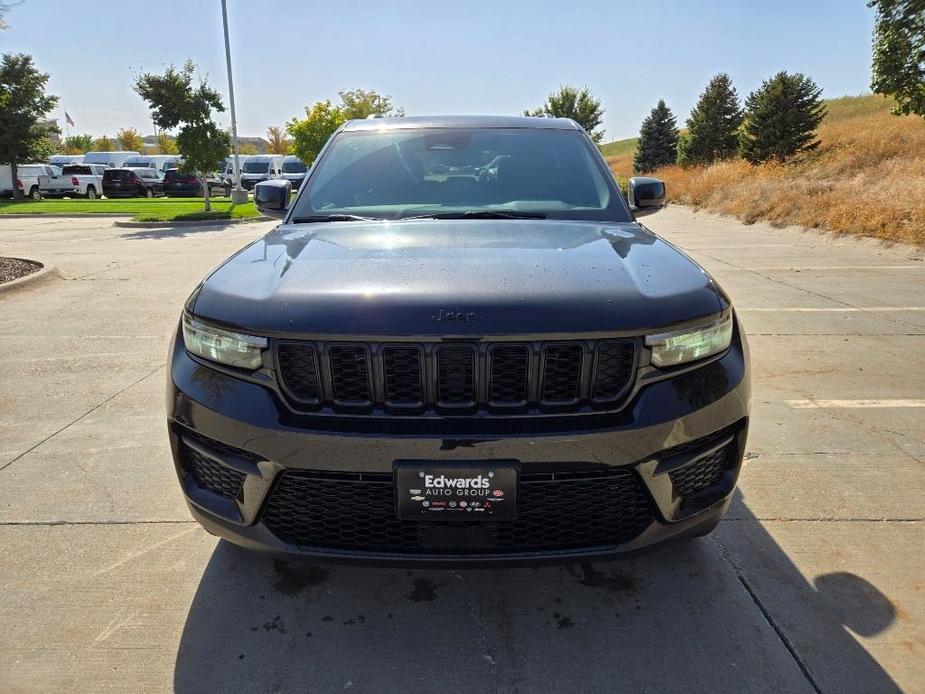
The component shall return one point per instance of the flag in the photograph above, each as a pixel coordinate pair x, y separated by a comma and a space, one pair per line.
68, 119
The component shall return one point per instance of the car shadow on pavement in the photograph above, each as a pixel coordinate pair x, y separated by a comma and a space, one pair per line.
684, 618
178, 231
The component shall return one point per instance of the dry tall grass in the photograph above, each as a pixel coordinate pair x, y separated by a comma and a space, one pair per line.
867, 177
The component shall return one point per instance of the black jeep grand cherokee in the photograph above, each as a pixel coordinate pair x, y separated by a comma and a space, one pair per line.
458, 346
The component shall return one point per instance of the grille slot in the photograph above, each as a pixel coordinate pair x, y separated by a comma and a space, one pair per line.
700, 474
298, 367
613, 373
456, 366
402, 370
509, 375
350, 374
309, 509
561, 374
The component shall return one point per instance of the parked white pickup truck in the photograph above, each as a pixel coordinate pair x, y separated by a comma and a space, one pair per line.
86, 179
36, 181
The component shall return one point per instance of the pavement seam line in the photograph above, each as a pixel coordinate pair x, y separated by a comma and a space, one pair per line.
813, 293
88, 412
480, 626
791, 649
78, 523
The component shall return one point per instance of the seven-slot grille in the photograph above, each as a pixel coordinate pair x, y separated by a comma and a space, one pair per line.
457, 377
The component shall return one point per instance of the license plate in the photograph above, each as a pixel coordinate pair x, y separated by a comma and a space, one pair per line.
464, 491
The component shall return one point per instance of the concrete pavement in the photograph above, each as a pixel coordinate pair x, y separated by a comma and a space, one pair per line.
814, 582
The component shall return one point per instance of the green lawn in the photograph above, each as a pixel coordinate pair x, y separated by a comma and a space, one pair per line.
140, 209
618, 147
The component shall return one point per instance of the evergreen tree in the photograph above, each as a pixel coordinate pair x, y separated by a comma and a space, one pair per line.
711, 128
658, 140
781, 118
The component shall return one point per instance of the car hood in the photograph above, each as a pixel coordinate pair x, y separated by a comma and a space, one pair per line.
459, 277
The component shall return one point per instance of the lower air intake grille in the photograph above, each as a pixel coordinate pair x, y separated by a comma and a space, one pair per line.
212, 475
350, 512
701, 473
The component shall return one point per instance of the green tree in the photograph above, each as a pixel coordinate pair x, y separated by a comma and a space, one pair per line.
658, 140
579, 104
130, 140
362, 103
23, 104
781, 118
713, 124
166, 144
78, 144
177, 100
309, 134
103, 144
898, 68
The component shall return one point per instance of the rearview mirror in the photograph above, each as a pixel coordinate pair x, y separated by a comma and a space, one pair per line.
645, 195
272, 197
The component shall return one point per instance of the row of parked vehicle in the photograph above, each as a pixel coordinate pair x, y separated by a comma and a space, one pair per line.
130, 174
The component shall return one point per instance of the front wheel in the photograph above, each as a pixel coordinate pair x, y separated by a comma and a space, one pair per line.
35, 193
91, 193
149, 193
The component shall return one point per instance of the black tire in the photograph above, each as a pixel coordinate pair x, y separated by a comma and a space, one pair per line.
35, 193
149, 193
91, 193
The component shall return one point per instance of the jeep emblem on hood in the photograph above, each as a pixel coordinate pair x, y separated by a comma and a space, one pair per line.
457, 317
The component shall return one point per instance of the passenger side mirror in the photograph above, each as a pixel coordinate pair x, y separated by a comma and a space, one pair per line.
272, 197
645, 195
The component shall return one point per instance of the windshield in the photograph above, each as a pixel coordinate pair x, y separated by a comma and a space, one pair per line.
391, 174
255, 167
294, 167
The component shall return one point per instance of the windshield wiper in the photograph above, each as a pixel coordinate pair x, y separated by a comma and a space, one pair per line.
333, 218
480, 214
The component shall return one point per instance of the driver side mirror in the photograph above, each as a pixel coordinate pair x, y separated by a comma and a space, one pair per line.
272, 197
645, 195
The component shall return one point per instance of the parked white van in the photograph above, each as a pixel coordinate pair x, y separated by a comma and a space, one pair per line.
113, 159
160, 162
63, 160
260, 167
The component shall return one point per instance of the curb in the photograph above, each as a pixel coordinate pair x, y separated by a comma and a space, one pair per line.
190, 223
75, 215
45, 272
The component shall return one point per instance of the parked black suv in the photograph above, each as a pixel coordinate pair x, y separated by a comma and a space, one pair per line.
459, 346
135, 182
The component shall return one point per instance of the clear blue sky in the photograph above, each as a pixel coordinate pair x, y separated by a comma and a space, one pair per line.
437, 56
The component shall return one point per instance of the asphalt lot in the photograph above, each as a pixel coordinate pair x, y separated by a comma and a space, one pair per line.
814, 582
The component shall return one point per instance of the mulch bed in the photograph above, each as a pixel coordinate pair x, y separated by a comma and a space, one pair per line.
14, 268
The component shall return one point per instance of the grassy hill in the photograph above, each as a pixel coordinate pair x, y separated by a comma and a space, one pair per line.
618, 147
867, 177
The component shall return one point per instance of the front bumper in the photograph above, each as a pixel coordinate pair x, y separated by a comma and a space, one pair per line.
246, 428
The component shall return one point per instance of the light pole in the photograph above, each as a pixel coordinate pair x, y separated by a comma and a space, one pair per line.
238, 196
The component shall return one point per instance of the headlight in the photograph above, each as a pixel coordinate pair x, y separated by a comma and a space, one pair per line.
690, 344
223, 346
